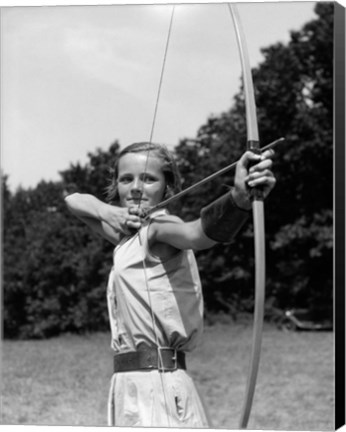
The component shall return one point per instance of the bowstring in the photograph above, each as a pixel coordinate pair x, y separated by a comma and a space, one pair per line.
145, 271
160, 85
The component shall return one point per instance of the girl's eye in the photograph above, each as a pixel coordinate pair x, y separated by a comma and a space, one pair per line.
147, 178
125, 179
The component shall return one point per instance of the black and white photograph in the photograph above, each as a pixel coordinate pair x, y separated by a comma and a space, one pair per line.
172, 189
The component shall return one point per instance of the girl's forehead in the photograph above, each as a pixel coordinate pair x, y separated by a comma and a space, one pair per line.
139, 161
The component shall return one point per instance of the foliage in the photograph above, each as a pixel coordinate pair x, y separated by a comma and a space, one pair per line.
55, 270
294, 98
95, 176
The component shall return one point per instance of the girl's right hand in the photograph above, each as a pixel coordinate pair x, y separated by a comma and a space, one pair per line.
123, 219
134, 219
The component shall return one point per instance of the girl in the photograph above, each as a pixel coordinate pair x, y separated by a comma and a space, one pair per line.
154, 292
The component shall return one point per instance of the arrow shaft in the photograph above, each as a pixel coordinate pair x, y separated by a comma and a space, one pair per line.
208, 179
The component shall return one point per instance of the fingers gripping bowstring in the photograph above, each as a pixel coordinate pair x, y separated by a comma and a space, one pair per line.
145, 270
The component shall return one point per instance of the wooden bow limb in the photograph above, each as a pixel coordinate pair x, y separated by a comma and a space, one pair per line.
258, 219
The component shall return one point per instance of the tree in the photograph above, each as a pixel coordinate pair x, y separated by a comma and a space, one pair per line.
293, 87
95, 176
55, 270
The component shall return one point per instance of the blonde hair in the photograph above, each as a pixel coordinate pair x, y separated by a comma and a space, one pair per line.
169, 169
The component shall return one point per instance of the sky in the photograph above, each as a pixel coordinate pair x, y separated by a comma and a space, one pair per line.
77, 78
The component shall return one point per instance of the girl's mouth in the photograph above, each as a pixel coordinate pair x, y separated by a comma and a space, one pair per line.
136, 200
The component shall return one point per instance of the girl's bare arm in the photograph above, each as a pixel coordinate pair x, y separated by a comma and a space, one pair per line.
111, 222
192, 235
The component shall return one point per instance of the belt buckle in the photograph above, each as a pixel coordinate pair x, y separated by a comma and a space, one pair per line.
160, 366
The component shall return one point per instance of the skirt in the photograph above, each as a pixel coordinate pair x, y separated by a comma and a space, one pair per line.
155, 399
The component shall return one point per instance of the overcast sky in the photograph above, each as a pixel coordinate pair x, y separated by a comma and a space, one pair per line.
75, 78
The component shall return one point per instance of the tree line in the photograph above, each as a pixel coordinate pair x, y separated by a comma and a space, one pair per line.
55, 271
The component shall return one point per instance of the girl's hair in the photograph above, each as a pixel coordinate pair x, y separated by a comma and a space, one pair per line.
169, 169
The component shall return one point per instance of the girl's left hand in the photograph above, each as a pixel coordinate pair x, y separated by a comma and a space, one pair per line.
253, 170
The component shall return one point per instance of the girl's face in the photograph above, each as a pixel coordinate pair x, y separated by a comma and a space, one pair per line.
141, 181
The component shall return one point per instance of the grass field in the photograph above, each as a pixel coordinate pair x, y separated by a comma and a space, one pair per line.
64, 381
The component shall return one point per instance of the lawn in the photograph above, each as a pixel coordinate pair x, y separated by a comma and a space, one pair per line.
64, 381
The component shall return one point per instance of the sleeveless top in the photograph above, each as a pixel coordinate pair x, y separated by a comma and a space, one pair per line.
153, 301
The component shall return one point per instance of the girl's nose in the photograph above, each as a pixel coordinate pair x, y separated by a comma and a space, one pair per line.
136, 186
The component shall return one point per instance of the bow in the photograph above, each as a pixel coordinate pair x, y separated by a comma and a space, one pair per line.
258, 219
257, 209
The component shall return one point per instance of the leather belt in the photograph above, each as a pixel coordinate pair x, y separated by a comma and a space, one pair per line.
164, 359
